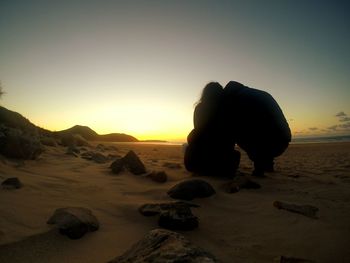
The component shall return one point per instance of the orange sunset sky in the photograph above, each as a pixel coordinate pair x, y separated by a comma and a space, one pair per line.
138, 67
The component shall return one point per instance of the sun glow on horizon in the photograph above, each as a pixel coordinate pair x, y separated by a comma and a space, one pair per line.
151, 120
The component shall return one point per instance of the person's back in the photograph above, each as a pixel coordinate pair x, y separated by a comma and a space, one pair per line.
257, 122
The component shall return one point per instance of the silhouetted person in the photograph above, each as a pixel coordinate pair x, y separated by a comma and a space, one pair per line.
256, 123
210, 149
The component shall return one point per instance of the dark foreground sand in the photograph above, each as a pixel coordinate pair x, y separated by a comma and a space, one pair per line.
239, 227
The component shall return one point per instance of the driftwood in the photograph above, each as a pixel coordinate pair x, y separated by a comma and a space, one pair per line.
306, 210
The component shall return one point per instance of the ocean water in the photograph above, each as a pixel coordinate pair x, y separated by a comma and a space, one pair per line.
323, 139
295, 140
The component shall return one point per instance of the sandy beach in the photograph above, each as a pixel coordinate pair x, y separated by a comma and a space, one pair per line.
237, 227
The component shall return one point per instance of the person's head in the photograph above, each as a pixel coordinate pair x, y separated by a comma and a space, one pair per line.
211, 93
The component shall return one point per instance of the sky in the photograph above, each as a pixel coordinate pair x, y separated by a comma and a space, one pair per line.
138, 67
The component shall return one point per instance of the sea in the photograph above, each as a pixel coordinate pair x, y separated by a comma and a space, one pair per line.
322, 139
295, 140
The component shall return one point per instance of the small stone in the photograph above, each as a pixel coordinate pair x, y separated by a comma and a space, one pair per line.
150, 209
73, 151
159, 176
172, 165
11, 183
190, 189
99, 158
74, 222
87, 155
155, 209
179, 218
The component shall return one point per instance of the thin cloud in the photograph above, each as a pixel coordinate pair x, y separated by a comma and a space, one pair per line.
313, 129
341, 114
344, 119
333, 128
345, 125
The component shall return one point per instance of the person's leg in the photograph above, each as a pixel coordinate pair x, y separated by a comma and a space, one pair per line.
191, 158
228, 162
264, 156
262, 165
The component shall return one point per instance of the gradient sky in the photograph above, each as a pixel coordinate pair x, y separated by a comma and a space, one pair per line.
138, 67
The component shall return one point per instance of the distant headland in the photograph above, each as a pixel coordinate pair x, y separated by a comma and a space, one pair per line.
14, 120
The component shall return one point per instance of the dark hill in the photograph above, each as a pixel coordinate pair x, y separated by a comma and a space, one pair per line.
84, 131
15, 120
91, 135
116, 137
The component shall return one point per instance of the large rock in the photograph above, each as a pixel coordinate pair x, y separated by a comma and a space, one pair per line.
117, 166
133, 163
16, 144
74, 222
11, 183
190, 189
163, 246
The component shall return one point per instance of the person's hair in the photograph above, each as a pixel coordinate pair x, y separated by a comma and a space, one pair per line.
211, 93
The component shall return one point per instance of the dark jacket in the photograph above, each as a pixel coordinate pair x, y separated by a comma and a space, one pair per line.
254, 117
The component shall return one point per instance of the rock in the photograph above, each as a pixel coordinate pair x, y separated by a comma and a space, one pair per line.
16, 144
83, 149
190, 189
74, 222
72, 150
87, 155
99, 158
173, 215
117, 166
101, 147
11, 183
155, 209
158, 176
178, 218
240, 182
150, 209
133, 163
94, 156
164, 246
306, 210
172, 165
